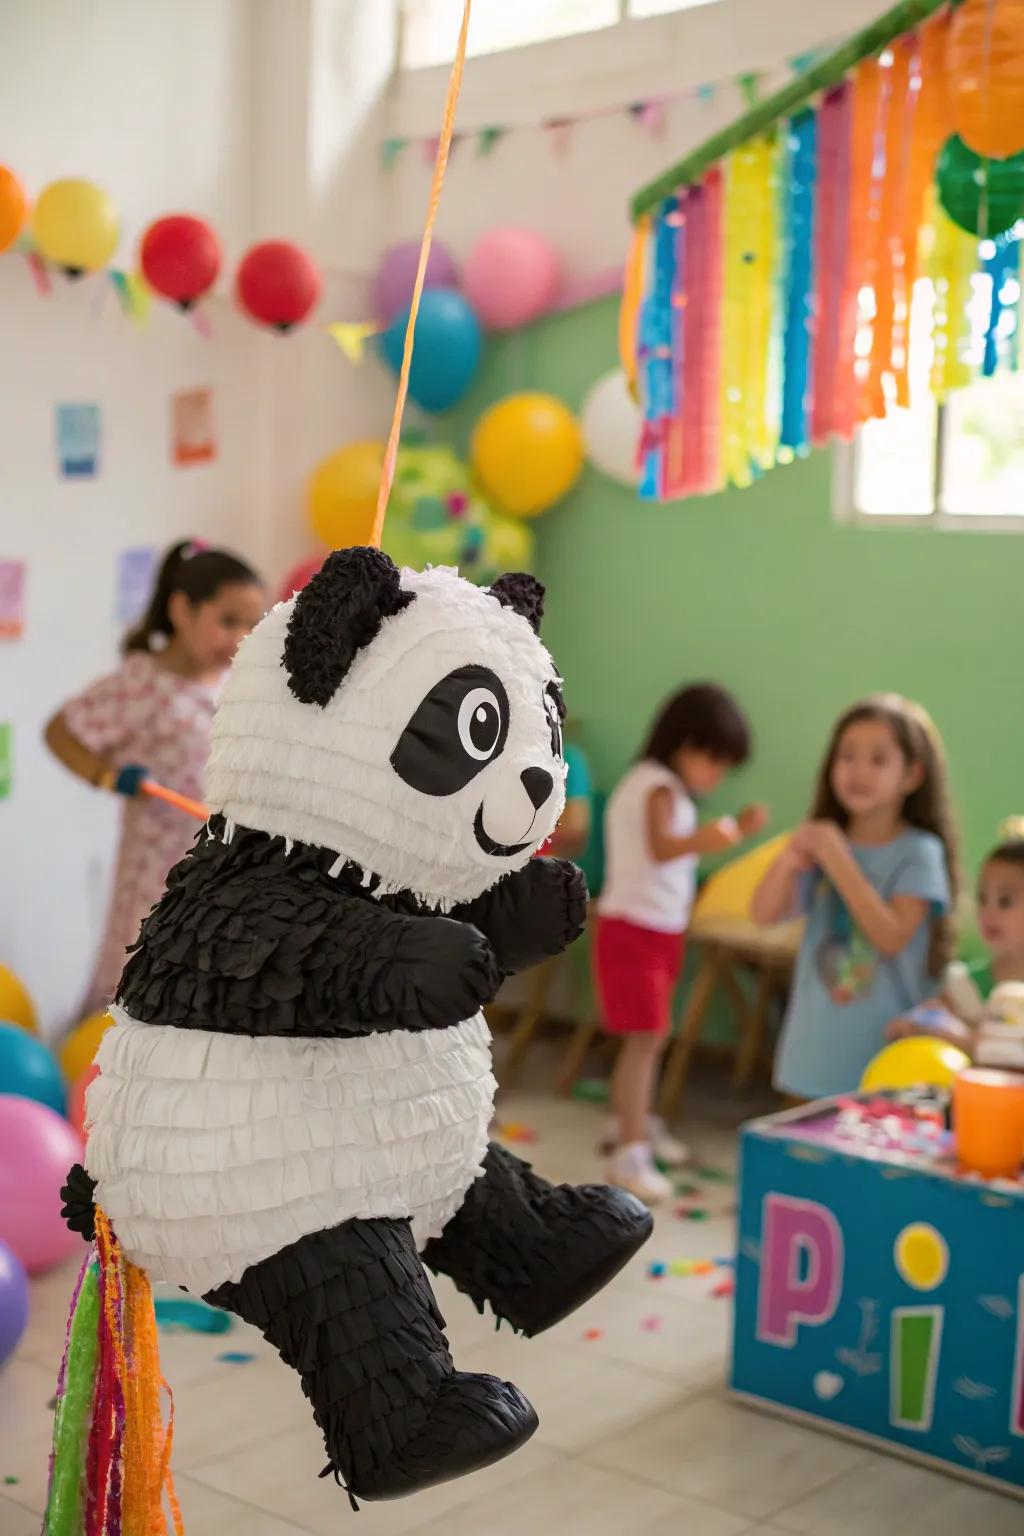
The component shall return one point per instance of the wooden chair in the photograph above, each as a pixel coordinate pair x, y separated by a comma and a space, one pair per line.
729, 947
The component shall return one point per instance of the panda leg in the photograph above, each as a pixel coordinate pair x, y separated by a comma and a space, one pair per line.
351, 1309
532, 1250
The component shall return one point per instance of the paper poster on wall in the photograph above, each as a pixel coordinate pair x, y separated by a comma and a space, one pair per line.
6, 759
12, 599
192, 439
135, 571
78, 441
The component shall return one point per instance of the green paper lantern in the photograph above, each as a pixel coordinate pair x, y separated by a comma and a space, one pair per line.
985, 197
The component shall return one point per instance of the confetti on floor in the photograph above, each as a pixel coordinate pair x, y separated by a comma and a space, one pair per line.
514, 1130
695, 1213
11, 1482
593, 1089
657, 1270
714, 1175
687, 1189
187, 1315
593, 1334
650, 1324
235, 1357
727, 1263
724, 1288
692, 1267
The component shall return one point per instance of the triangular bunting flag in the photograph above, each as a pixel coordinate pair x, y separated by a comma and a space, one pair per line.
352, 336
750, 87
486, 139
390, 151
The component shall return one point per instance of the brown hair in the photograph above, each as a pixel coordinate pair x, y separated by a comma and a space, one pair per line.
1009, 852
191, 568
927, 807
704, 717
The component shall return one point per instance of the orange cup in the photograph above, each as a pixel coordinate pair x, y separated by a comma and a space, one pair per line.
988, 1122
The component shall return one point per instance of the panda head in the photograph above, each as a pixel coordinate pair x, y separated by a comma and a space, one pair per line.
409, 721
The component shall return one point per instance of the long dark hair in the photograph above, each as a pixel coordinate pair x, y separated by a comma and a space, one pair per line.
704, 717
926, 807
191, 568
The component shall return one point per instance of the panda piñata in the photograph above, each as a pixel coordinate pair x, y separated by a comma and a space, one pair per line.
292, 1112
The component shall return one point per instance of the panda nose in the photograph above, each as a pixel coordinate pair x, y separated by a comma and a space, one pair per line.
538, 783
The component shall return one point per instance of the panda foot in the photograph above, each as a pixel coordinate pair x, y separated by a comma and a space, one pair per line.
473, 1422
533, 1251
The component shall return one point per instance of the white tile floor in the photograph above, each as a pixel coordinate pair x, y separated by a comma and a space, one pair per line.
636, 1431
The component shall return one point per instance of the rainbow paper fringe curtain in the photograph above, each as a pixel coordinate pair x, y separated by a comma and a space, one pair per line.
110, 1462
768, 306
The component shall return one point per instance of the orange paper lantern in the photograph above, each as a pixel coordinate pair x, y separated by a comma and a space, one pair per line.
986, 75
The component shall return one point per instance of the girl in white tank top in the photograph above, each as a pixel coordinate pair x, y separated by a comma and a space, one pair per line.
653, 844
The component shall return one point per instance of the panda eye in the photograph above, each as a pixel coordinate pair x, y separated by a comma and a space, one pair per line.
480, 723
459, 727
554, 723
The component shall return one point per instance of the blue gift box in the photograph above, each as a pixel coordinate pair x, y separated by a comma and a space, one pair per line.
881, 1296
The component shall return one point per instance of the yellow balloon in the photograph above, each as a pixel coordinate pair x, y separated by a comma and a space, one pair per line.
79, 1049
730, 890
15, 1003
528, 451
343, 494
75, 225
922, 1256
920, 1061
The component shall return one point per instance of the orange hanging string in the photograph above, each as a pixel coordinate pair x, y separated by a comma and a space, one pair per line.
440, 165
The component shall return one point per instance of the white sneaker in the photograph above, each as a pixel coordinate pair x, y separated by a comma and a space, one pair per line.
666, 1148
632, 1168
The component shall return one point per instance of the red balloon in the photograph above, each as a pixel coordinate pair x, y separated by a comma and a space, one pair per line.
180, 258
297, 577
278, 283
76, 1099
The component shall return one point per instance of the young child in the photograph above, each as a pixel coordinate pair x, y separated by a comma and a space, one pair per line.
653, 844
875, 872
963, 1012
151, 719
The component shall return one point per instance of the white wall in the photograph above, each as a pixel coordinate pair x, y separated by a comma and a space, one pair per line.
241, 111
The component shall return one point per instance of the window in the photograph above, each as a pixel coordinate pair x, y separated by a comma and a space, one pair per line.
430, 27
958, 464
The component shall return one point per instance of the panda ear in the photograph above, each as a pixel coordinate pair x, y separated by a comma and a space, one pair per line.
522, 593
338, 612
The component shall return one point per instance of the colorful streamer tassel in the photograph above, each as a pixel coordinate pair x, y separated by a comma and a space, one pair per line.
796, 375
749, 252
952, 265
111, 1458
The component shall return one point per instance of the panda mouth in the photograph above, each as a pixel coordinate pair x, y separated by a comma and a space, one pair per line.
489, 846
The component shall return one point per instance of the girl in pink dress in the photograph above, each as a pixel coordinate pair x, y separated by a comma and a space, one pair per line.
151, 719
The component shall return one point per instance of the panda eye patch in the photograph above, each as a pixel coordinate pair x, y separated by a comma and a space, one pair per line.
459, 727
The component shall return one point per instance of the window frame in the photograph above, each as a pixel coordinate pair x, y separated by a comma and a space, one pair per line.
844, 495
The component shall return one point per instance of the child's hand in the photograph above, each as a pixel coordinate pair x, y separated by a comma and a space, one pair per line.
752, 820
717, 836
820, 841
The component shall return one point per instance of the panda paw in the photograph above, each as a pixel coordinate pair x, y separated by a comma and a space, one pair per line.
452, 969
558, 902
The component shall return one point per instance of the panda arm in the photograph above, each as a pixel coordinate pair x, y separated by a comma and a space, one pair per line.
279, 954
531, 914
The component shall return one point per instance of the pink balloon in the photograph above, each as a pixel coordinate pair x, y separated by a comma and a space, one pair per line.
298, 576
396, 275
76, 1100
512, 276
37, 1147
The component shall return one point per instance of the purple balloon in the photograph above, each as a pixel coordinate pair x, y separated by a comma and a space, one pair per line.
396, 276
13, 1302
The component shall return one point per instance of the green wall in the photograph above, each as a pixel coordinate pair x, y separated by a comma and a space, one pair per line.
762, 591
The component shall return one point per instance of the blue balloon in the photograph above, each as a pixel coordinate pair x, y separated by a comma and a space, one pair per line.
446, 354
28, 1070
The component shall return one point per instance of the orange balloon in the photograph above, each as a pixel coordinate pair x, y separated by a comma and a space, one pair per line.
986, 76
13, 207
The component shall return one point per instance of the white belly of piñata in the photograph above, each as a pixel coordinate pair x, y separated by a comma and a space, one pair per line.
213, 1151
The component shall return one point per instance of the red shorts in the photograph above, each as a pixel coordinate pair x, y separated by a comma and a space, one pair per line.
637, 970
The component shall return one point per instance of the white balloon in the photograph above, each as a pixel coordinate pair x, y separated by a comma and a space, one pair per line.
611, 427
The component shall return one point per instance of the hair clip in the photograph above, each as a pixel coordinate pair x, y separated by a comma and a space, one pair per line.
197, 547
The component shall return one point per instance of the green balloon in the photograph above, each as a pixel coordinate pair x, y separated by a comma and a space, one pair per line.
985, 197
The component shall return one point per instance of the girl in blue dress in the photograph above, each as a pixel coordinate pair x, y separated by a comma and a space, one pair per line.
874, 872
